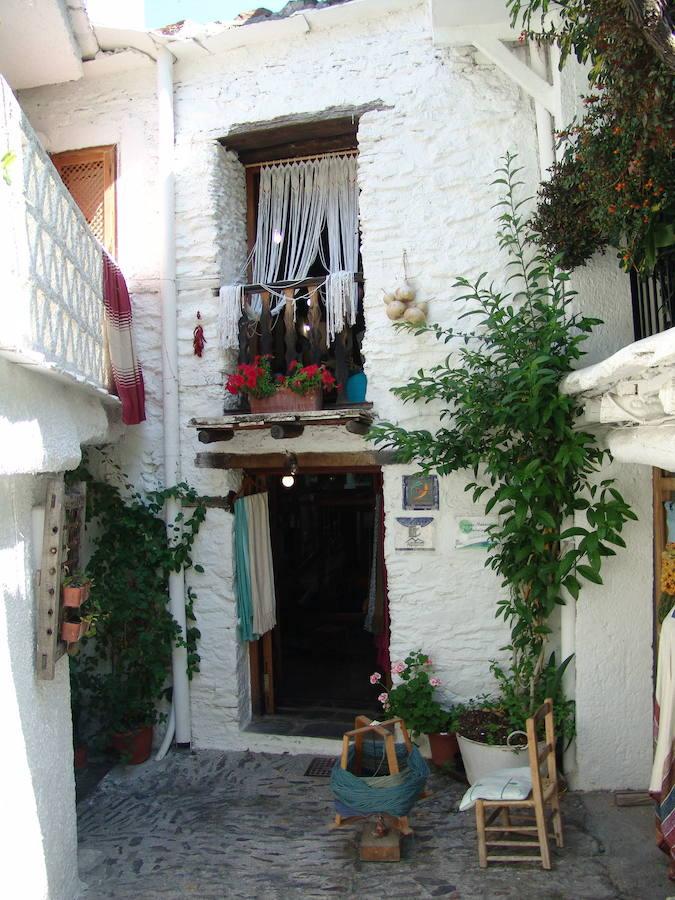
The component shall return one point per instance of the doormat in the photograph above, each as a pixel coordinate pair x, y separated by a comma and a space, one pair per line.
320, 767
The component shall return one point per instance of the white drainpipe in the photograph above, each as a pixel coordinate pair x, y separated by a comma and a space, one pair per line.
172, 468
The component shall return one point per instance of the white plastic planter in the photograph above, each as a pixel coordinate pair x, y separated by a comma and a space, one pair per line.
482, 759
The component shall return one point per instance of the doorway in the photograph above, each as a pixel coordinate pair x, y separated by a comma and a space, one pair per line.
311, 675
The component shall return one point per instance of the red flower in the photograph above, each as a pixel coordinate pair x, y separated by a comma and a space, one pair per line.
309, 371
293, 365
327, 379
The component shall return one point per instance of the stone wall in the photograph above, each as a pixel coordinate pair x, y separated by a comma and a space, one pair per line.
437, 125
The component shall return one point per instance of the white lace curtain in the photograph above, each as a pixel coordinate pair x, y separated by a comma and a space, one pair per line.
298, 201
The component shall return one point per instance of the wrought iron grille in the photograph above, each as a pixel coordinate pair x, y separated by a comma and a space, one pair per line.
654, 298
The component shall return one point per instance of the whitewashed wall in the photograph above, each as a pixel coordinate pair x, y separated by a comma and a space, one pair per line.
44, 424
428, 150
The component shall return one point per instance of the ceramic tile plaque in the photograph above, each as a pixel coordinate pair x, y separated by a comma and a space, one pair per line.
472, 532
420, 492
414, 533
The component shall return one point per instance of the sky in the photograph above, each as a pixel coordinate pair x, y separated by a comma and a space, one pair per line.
165, 12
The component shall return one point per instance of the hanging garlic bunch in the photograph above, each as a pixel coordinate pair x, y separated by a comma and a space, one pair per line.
401, 304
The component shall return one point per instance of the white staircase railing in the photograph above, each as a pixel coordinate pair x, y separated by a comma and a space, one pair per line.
51, 296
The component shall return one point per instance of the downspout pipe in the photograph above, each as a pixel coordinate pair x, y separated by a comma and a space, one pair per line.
167, 290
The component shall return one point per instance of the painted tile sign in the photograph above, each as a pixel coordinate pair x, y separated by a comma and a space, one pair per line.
414, 533
472, 531
420, 492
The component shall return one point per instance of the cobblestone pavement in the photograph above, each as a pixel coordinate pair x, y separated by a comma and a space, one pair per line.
214, 825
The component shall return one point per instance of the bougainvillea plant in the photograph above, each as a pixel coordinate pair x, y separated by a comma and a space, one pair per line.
614, 181
257, 379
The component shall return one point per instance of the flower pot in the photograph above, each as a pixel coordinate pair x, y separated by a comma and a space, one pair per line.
74, 597
444, 747
286, 400
134, 746
481, 759
73, 631
355, 388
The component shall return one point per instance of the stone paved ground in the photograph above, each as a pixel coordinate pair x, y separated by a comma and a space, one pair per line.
214, 825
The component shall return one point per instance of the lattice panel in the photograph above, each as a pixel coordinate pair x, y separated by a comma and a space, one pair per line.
86, 183
66, 276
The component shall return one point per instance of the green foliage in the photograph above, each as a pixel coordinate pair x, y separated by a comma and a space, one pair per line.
125, 675
505, 419
615, 181
6, 161
412, 699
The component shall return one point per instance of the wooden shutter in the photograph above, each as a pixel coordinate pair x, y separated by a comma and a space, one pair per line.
89, 175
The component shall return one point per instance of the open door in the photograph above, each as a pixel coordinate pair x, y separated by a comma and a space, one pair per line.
332, 627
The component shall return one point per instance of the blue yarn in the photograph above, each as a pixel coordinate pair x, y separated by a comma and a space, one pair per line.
393, 794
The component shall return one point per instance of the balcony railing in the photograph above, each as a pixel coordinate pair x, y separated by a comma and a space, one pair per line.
51, 313
654, 298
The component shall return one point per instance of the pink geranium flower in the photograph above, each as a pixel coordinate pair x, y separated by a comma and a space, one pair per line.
397, 668
383, 698
435, 682
375, 677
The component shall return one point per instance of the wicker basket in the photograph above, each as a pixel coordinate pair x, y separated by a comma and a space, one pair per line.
286, 400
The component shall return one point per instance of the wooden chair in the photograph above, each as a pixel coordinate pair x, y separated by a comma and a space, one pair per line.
542, 802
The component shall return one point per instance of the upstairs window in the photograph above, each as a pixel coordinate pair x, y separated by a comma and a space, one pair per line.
303, 298
89, 175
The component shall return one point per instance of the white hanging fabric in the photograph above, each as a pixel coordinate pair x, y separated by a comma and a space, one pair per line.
231, 301
297, 202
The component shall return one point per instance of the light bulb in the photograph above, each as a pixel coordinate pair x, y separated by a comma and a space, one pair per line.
288, 481
277, 237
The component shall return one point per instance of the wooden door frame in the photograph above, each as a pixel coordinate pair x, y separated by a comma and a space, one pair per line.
261, 652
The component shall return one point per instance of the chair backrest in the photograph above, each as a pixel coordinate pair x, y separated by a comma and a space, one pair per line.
538, 755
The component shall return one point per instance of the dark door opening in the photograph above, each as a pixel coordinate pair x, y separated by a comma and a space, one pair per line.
325, 530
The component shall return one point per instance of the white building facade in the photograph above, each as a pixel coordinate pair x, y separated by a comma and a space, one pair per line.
433, 114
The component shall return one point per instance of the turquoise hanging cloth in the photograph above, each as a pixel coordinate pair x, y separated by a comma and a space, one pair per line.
242, 580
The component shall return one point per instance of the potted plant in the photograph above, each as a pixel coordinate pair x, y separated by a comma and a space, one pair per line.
505, 420
75, 590
300, 390
130, 659
412, 699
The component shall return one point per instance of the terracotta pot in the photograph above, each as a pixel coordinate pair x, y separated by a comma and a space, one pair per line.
74, 597
444, 747
134, 746
286, 400
80, 755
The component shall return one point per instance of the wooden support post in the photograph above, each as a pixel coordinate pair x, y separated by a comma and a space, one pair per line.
266, 340
286, 430
49, 587
358, 427
289, 327
341, 364
316, 332
213, 435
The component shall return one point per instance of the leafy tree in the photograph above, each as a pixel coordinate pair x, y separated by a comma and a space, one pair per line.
505, 419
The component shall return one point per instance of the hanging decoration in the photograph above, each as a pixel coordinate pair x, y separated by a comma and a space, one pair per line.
307, 211
401, 303
198, 339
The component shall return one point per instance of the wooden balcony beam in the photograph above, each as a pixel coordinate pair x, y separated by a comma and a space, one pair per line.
307, 462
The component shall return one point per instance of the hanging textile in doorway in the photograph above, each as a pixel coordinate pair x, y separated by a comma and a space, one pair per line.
662, 784
377, 615
307, 210
254, 572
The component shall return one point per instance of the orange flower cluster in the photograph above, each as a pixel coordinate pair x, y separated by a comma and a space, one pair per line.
668, 570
